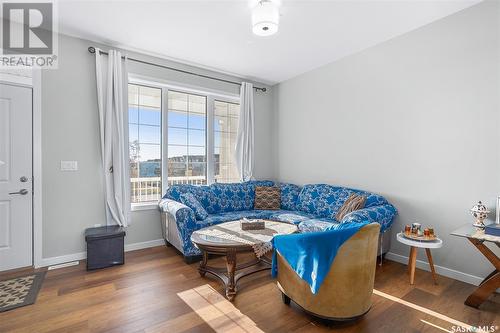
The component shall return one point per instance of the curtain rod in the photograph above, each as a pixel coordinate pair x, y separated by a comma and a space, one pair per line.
92, 50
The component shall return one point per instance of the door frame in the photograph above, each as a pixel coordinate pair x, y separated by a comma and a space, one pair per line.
35, 83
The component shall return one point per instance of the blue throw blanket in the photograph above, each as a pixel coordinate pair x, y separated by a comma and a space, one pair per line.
311, 254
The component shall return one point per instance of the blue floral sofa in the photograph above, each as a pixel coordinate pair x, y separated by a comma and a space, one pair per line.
312, 207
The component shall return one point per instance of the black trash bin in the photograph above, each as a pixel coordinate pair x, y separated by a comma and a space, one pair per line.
105, 246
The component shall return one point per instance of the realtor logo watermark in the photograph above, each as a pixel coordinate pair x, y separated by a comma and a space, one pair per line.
29, 37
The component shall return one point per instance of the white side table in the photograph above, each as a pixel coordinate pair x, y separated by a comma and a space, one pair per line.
412, 260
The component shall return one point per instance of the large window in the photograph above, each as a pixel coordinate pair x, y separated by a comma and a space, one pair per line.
187, 123
144, 133
226, 117
179, 137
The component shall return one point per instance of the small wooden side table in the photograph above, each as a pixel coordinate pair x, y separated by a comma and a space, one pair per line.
414, 245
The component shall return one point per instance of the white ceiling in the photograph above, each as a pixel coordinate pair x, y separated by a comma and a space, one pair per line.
218, 34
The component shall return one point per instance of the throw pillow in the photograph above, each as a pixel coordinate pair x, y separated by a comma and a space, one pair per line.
353, 202
190, 200
267, 197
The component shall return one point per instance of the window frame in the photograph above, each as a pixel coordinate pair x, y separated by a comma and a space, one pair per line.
211, 96
146, 205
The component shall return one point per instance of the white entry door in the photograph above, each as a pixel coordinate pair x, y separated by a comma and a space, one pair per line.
15, 177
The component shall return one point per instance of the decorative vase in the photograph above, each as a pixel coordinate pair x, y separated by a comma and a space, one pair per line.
480, 212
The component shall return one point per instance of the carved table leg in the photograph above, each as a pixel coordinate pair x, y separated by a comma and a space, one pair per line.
203, 264
231, 268
489, 275
484, 291
491, 282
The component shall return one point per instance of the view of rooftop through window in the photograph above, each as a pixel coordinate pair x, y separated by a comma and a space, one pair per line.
187, 122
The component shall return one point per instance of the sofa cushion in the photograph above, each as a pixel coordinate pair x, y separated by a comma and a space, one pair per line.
316, 225
220, 197
383, 215
289, 196
236, 196
237, 215
322, 200
372, 199
294, 217
233, 196
280, 215
207, 198
260, 183
202, 193
190, 200
174, 191
267, 198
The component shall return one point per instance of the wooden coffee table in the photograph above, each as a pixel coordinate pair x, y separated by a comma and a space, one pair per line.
229, 240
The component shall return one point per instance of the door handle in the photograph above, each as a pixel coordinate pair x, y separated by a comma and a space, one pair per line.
21, 192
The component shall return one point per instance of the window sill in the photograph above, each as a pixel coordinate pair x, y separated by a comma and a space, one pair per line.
144, 206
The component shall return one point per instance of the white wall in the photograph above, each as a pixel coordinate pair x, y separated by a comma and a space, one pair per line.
415, 118
73, 201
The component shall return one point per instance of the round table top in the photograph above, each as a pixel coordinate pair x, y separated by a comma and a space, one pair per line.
230, 235
435, 244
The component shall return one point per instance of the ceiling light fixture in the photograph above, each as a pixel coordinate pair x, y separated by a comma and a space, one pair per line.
265, 18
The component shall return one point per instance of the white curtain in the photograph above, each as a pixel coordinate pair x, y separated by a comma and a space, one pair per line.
245, 139
112, 100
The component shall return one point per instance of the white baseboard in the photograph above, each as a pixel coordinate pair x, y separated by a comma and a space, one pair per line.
448, 272
67, 264
62, 259
144, 245
83, 255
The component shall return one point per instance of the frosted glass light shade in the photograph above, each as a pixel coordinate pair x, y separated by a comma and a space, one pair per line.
265, 18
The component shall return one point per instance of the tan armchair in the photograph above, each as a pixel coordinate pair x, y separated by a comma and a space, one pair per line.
347, 290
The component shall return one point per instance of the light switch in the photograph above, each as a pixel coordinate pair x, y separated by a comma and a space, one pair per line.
69, 165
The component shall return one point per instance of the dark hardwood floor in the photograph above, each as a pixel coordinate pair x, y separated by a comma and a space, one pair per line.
155, 291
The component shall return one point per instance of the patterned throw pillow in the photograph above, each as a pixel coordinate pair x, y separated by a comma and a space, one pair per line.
354, 202
190, 200
267, 197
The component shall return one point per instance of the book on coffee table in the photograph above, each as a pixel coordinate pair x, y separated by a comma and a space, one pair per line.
492, 229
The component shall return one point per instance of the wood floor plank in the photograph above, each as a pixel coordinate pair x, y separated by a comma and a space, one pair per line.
144, 296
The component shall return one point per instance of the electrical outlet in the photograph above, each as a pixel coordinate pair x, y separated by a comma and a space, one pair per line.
69, 165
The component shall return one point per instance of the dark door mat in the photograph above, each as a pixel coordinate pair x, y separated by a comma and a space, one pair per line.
20, 291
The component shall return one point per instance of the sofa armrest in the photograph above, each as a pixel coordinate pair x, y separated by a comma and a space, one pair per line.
383, 215
183, 215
